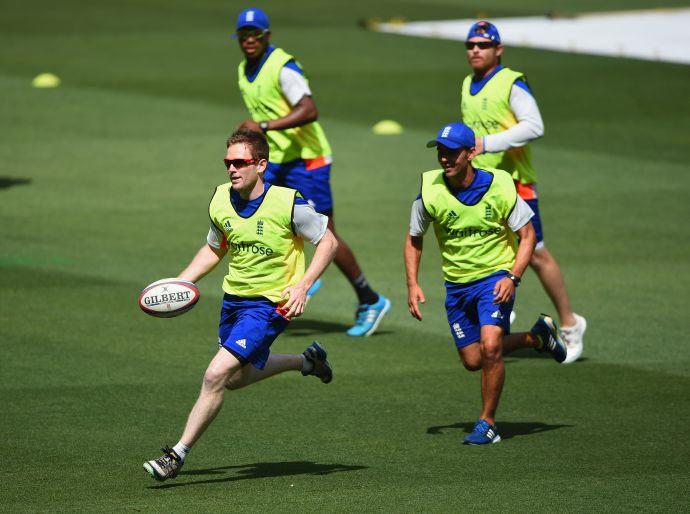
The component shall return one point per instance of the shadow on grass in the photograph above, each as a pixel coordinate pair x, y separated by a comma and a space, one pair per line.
507, 429
7, 182
310, 327
260, 470
529, 353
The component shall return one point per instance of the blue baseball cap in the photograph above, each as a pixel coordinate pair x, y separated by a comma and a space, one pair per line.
486, 30
253, 17
454, 136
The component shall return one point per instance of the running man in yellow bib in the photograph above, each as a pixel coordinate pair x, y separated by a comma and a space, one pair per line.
261, 228
497, 103
278, 97
476, 214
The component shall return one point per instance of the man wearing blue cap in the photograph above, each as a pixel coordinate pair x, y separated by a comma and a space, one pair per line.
476, 214
498, 105
280, 104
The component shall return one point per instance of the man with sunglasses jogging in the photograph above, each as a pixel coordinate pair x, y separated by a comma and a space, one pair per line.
280, 104
261, 228
497, 103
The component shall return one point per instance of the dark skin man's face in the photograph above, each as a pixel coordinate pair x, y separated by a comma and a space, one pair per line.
253, 42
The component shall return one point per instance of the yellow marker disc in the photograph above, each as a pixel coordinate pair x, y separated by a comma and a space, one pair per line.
387, 128
45, 80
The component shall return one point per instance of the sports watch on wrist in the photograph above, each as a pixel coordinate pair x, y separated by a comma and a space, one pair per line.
263, 126
516, 280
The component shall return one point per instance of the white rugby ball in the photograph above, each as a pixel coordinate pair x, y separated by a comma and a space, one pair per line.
168, 297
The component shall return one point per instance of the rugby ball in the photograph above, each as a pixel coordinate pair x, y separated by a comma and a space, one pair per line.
168, 297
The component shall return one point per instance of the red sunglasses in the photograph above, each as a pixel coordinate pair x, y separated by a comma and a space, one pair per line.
238, 163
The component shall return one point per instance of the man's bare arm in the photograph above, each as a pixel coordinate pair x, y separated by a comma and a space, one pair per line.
203, 263
504, 289
413, 255
302, 113
323, 256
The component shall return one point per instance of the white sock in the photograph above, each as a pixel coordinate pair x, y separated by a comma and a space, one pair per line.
181, 450
307, 365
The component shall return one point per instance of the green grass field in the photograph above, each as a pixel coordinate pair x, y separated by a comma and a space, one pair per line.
104, 186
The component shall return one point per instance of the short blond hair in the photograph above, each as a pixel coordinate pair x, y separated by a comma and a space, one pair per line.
256, 141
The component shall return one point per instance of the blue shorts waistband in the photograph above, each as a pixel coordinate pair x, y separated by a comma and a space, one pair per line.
462, 285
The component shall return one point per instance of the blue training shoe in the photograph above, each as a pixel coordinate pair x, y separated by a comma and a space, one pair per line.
368, 317
547, 332
482, 433
314, 287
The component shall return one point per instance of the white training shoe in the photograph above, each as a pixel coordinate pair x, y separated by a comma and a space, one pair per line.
572, 337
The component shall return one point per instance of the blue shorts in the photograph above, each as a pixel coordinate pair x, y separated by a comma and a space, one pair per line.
536, 221
311, 177
470, 306
248, 327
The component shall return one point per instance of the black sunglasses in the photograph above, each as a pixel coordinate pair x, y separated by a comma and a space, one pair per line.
483, 45
243, 35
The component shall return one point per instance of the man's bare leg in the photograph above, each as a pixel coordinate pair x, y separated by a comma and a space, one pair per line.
344, 257
514, 342
223, 366
493, 370
486, 355
551, 278
277, 363
471, 354
347, 263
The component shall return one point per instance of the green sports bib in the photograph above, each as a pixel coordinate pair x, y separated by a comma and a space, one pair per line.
475, 240
488, 112
265, 256
265, 101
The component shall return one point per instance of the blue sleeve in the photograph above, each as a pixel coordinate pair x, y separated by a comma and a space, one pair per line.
419, 196
300, 201
294, 66
523, 85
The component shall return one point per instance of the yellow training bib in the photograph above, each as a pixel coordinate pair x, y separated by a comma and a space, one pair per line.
475, 240
265, 256
488, 112
265, 101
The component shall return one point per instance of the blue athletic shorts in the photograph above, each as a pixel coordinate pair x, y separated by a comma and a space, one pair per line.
470, 306
248, 327
536, 220
311, 177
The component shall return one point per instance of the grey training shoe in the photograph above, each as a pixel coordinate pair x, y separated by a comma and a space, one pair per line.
321, 369
166, 466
